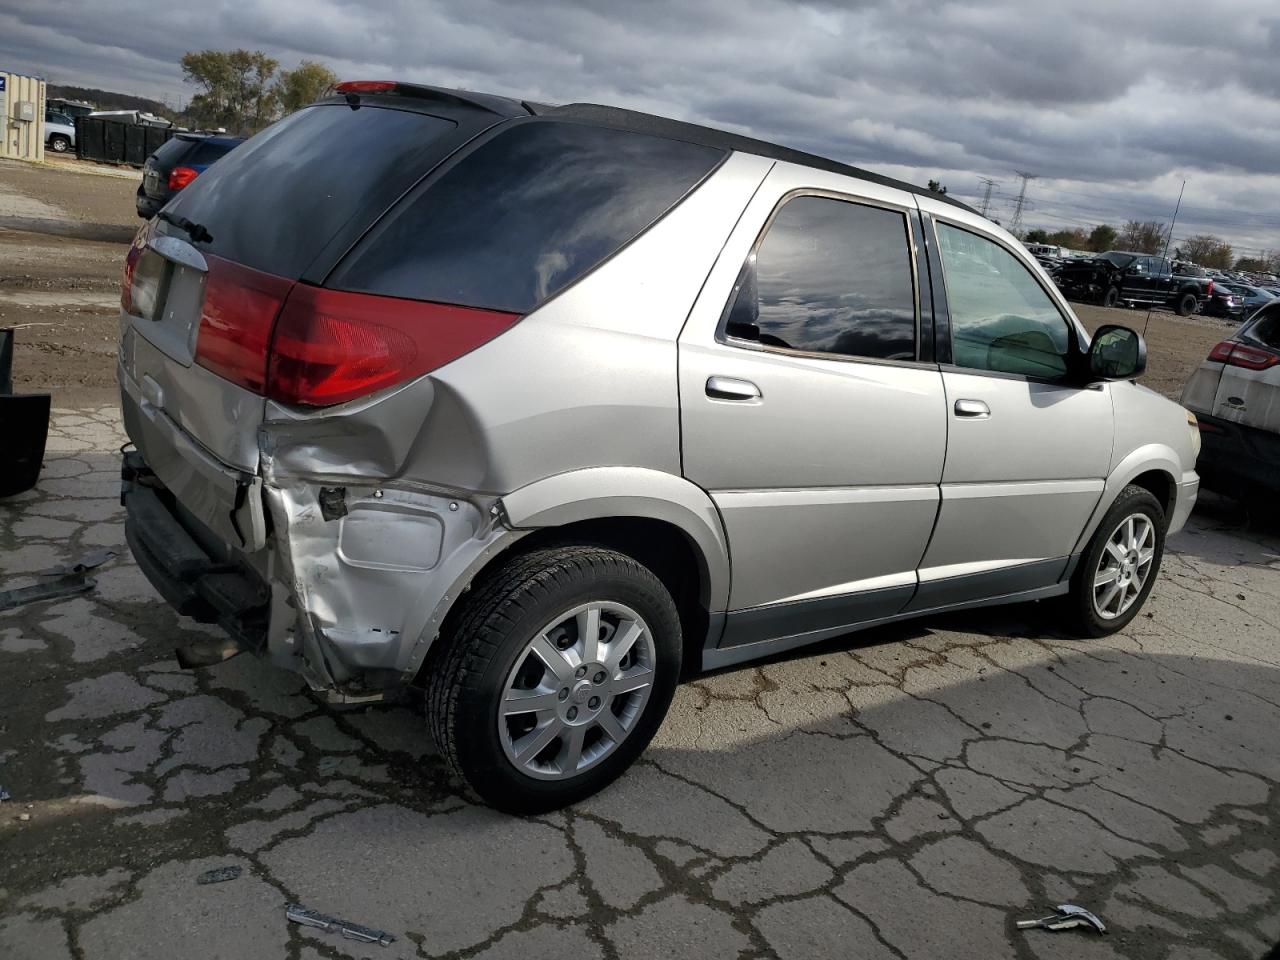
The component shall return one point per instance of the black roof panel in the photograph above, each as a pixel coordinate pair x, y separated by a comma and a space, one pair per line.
679, 130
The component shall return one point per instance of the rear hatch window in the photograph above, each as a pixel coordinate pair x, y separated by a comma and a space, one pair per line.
524, 214
207, 151
277, 200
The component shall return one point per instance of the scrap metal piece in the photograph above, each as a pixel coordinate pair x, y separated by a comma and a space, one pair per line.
92, 559
4, 794
64, 586
296, 913
219, 875
1067, 917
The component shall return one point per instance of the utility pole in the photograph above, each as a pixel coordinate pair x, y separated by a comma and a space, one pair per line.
986, 194
1016, 227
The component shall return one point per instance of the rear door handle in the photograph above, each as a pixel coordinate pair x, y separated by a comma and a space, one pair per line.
731, 388
972, 409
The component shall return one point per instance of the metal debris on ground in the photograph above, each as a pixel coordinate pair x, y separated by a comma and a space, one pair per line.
1067, 917
4, 794
297, 913
219, 875
61, 581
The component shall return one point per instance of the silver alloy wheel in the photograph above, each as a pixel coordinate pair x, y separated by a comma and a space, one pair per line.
1124, 566
577, 690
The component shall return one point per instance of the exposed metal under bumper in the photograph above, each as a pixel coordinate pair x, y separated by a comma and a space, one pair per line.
194, 583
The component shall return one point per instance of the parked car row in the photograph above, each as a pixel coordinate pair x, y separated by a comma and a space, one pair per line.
1120, 277
1125, 277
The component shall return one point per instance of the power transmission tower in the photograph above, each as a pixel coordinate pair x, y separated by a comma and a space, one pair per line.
986, 194
1016, 227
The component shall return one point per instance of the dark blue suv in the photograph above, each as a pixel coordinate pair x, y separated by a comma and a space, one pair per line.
176, 164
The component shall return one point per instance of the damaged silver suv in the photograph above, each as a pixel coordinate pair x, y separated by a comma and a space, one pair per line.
534, 407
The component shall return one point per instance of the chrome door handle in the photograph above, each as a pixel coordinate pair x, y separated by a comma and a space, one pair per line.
731, 388
972, 409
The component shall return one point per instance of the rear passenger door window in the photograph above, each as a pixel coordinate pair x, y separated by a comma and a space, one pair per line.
1002, 320
829, 276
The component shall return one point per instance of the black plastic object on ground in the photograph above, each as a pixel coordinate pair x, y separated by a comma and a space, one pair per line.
24, 427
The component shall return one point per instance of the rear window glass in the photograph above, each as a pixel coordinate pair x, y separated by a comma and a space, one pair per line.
275, 201
1266, 328
207, 151
525, 215
170, 150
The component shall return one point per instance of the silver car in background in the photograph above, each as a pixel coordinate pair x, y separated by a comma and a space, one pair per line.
535, 407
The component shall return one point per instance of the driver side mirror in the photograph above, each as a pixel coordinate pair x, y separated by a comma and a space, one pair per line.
1117, 353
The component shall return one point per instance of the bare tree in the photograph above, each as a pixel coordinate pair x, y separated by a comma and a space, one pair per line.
1208, 251
1143, 236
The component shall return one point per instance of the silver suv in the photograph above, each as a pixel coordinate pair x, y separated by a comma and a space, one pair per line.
533, 407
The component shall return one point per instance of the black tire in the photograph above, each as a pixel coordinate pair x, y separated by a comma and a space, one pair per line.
490, 628
1187, 305
1081, 610
1112, 297
59, 143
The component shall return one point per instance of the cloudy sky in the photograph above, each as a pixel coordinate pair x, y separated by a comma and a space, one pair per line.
1110, 104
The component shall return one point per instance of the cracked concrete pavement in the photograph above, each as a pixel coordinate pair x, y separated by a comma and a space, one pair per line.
907, 792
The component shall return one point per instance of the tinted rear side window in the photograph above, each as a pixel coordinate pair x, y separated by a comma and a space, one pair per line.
524, 215
831, 276
275, 201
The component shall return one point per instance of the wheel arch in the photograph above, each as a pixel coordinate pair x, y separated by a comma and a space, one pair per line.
1155, 467
663, 521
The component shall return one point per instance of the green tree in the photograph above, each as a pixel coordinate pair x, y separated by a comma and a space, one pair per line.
1143, 236
936, 187
1102, 238
235, 88
305, 84
1074, 239
1036, 236
1208, 251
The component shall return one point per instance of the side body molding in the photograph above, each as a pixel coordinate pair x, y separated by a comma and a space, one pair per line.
602, 492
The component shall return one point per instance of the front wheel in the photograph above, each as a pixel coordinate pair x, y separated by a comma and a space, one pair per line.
554, 676
59, 144
1120, 565
1187, 304
1112, 297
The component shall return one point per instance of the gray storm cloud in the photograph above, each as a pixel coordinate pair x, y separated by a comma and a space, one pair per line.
1111, 104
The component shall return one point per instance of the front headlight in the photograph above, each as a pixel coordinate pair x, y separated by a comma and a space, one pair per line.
1194, 426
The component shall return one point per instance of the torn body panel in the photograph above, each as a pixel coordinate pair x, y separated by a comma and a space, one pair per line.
365, 587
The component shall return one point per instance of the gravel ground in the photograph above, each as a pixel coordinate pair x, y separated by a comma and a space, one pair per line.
908, 792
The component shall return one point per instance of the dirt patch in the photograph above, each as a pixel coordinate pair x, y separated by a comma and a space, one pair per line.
56, 192
1175, 345
62, 295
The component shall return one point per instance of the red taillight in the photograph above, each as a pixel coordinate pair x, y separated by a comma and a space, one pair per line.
179, 177
1239, 355
1222, 352
331, 346
1208, 290
364, 86
130, 264
240, 309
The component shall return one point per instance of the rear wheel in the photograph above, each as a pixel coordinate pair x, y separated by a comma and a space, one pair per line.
1112, 297
1120, 565
59, 143
554, 676
1187, 304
